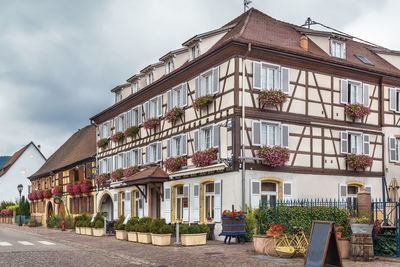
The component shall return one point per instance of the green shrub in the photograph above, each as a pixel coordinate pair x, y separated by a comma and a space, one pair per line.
99, 224
193, 229
32, 223
251, 225
143, 228
145, 220
129, 227
158, 226
98, 221
119, 224
51, 221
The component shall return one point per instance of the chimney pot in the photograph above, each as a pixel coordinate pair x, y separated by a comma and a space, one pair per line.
304, 43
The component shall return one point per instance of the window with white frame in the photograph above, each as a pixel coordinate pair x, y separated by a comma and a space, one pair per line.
207, 83
134, 87
177, 96
269, 191
120, 122
105, 130
135, 157
154, 153
153, 107
177, 146
149, 78
338, 49
120, 161
207, 137
270, 133
194, 51
394, 149
394, 99
268, 76
169, 66
209, 198
105, 165
354, 92
179, 202
136, 116
118, 96
354, 142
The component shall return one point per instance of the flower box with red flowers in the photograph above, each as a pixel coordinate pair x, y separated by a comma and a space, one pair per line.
70, 189
117, 175
101, 179
131, 131
151, 123
31, 196
202, 101
356, 111
272, 98
118, 137
130, 171
274, 156
233, 222
274, 230
58, 190
39, 194
175, 164
358, 161
102, 143
204, 158
76, 189
85, 186
173, 115
47, 193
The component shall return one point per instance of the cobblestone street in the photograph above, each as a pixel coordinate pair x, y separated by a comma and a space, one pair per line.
78, 250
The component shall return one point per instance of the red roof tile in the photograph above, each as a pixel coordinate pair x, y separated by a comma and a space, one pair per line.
152, 172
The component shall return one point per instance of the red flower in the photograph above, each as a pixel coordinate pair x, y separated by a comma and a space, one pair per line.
231, 215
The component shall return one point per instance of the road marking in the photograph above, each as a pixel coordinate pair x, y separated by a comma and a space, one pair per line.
5, 244
46, 243
25, 243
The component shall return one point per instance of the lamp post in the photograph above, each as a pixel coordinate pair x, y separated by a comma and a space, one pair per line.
20, 187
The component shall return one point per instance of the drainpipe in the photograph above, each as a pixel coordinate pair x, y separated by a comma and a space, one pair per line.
97, 171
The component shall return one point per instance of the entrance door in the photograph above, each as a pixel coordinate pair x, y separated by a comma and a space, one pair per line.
106, 207
155, 204
49, 210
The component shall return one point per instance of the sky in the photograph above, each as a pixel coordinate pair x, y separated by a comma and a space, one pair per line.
60, 59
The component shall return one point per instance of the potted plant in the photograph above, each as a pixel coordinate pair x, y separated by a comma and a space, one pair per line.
101, 179
85, 186
204, 158
339, 230
118, 137
58, 190
86, 224
273, 98
361, 224
143, 230
173, 115
130, 229
274, 230
160, 233
78, 224
175, 164
131, 131
102, 143
358, 161
76, 189
274, 156
202, 101
193, 235
47, 193
356, 111
117, 175
39, 194
119, 227
98, 225
70, 189
151, 123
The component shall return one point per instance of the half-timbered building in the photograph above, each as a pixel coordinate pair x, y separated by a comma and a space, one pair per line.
217, 82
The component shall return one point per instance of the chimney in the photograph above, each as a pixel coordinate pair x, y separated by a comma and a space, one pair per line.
304, 42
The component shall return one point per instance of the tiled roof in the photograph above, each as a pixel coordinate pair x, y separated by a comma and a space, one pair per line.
151, 172
80, 146
13, 159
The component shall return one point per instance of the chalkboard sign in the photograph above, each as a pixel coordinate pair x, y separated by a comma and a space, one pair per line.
322, 248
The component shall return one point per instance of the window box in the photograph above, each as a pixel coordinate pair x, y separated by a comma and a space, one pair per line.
121, 234
103, 143
274, 156
204, 158
58, 190
356, 111
117, 175
273, 98
202, 101
131, 171
151, 123
161, 239
101, 179
131, 131
173, 115
144, 238
39, 194
175, 164
70, 189
47, 193
118, 137
76, 189
360, 161
85, 186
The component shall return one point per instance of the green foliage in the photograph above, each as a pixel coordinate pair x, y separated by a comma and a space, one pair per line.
98, 221
129, 227
5, 204
51, 221
142, 228
145, 220
32, 223
119, 224
99, 224
158, 226
385, 244
193, 229
25, 208
251, 225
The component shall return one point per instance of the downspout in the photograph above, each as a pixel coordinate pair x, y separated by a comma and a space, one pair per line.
97, 171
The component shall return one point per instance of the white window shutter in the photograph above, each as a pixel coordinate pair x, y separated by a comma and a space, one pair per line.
116, 124
217, 200
140, 155
140, 118
125, 157
344, 98
256, 133
159, 105
159, 151
127, 206
183, 144
256, 75
392, 149
285, 135
369, 188
184, 95
115, 159
392, 99
141, 203
115, 206
109, 164
215, 74
196, 202
216, 135
287, 190
197, 87
167, 204
196, 141
185, 215
128, 119
147, 110
100, 166
100, 131
133, 118
366, 95
343, 192
169, 147
148, 154
255, 189
285, 80
344, 142
169, 100
360, 98
366, 142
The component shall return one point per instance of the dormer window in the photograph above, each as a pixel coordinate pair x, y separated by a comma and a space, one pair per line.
338, 49
150, 78
194, 51
118, 97
134, 87
169, 66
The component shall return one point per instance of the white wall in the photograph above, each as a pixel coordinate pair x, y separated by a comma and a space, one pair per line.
31, 160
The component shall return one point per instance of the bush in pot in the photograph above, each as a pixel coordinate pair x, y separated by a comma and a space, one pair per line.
119, 227
160, 233
193, 235
78, 224
130, 229
143, 230
98, 225
362, 224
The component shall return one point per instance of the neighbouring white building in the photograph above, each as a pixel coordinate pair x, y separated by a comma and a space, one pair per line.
15, 171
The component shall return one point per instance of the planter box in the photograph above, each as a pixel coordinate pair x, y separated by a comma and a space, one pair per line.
344, 248
259, 243
82, 230
144, 238
161, 239
132, 236
357, 228
88, 231
194, 239
78, 230
98, 231
121, 235
235, 224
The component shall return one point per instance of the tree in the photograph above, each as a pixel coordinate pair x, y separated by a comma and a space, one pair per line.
4, 204
25, 209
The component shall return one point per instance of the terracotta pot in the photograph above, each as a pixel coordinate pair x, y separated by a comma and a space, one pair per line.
144, 238
273, 233
194, 239
344, 248
98, 231
132, 237
259, 243
121, 235
161, 239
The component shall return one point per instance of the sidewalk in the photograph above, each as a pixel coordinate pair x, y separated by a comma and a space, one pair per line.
215, 253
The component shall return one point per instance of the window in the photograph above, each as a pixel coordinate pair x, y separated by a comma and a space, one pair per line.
137, 203
177, 146
354, 142
394, 147
177, 96
207, 137
268, 76
179, 202
120, 160
207, 83
354, 92
136, 116
364, 60
135, 157
268, 133
338, 49
169, 66
105, 129
134, 87
209, 200
154, 153
352, 191
149, 78
118, 97
194, 51
394, 99
269, 191
153, 107
120, 122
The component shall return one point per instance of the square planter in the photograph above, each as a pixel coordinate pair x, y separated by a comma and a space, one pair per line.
161, 239
358, 228
82, 230
144, 238
132, 237
121, 235
78, 230
98, 231
194, 239
88, 231
344, 248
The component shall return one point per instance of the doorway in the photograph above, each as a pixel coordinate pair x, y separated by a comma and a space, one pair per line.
155, 204
106, 207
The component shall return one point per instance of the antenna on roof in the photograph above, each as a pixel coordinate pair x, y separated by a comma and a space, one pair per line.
246, 4
309, 22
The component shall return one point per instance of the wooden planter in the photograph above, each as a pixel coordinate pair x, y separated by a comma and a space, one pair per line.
88, 231
78, 230
274, 233
121, 235
132, 236
144, 238
194, 239
344, 248
233, 225
161, 239
98, 231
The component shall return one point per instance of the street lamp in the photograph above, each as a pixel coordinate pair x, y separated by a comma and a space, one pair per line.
20, 187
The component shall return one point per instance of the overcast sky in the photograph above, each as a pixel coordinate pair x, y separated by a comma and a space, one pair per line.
59, 59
